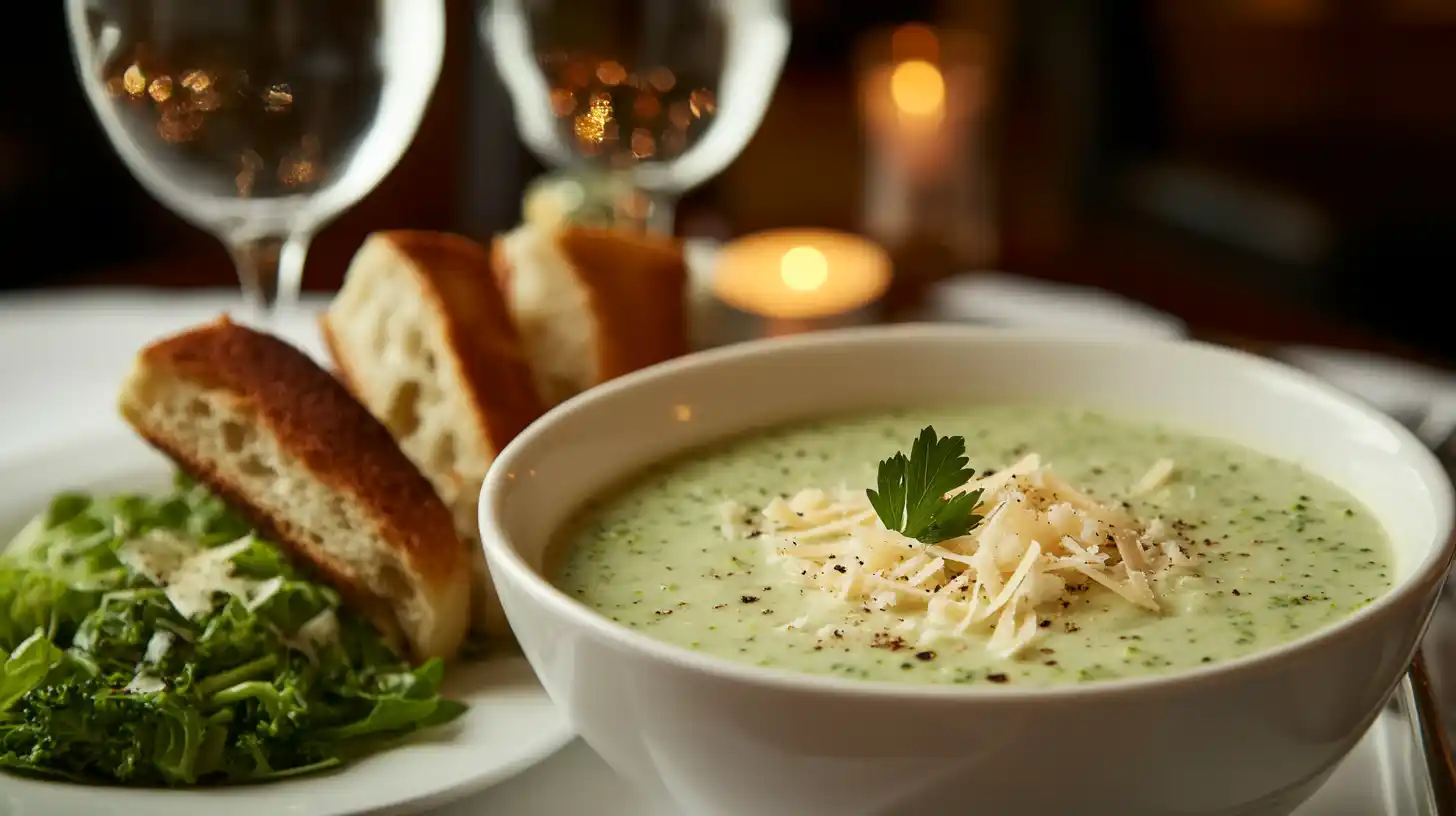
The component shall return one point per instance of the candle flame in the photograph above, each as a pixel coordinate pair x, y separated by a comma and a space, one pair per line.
804, 269
917, 88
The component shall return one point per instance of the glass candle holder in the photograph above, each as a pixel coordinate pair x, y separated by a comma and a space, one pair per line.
926, 100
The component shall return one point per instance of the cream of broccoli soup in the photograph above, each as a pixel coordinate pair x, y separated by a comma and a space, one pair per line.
980, 544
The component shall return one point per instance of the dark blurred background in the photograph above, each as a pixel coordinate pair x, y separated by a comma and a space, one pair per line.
1280, 169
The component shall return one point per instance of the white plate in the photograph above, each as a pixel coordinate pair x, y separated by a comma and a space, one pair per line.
510, 725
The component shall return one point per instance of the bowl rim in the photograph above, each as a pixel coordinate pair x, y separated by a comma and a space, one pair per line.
505, 558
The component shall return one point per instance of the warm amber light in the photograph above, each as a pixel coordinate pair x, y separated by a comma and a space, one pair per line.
206, 101
563, 101
799, 274
702, 103
661, 79
178, 124
646, 106
917, 88
596, 125
196, 80
680, 115
804, 269
277, 98
299, 166
611, 72
643, 145
576, 74
161, 89
134, 80
914, 41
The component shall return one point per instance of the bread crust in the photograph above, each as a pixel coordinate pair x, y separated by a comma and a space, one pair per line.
636, 289
319, 424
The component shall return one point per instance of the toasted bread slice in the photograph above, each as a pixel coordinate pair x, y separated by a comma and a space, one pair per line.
260, 423
592, 304
419, 332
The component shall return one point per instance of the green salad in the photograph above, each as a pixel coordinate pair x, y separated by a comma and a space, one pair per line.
156, 640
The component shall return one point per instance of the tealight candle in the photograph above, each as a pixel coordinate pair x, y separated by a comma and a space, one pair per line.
802, 279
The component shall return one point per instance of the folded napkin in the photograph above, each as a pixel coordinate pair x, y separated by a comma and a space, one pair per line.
1007, 300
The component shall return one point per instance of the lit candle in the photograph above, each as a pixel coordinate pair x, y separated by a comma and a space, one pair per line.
802, 279
925, 101
906, 103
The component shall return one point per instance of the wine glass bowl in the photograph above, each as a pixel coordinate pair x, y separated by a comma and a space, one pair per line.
665, 93
259, 122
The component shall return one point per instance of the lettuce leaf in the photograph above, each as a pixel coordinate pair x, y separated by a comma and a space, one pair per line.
103, 680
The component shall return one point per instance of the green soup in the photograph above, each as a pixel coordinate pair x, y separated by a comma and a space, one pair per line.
1280, 551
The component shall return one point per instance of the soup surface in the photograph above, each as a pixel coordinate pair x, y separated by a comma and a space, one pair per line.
1278, 551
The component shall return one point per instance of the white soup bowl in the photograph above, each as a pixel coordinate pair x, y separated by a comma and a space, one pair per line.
1255, 735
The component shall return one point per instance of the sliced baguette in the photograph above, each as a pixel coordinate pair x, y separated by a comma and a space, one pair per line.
263, 425
592, 304
419, 332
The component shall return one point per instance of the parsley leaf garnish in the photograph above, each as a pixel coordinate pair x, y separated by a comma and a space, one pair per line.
911, 495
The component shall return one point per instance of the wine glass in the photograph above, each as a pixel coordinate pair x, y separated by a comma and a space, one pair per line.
259, 121
655, 96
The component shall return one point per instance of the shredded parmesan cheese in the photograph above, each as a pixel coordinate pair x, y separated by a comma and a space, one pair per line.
732, 520
145, 683
1156, 478
192, 575
317, 633
158, 646
1040, 539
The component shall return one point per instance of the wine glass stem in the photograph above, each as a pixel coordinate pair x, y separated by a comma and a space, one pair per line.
662, 214
270, 269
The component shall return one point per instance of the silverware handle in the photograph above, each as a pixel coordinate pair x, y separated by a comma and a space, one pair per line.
1432, 735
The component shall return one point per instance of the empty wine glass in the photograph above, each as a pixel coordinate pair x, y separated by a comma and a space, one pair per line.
656, 96
259, 121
